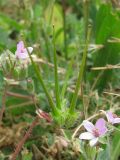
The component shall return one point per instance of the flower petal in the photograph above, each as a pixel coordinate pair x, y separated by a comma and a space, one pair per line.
20, 45
102, 131
100, 123
30, 49
93, 142
116, 120
21, 51
86, 135
101, 126
21, 55
110, 117
88, 126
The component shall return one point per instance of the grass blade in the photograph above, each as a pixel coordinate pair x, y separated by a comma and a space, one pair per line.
80, 76
56, 73
66, 79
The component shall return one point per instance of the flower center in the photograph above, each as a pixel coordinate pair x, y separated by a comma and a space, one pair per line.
22, 50
114, 115
96, 132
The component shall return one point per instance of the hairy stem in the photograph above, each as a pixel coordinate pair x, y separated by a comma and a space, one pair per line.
39, 76
26, 136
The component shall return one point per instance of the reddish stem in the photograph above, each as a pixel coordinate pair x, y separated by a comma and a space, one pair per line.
26, 136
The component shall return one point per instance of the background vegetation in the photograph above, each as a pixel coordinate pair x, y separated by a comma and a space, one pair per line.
59, 78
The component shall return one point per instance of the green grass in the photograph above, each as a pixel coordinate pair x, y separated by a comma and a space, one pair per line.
58, 78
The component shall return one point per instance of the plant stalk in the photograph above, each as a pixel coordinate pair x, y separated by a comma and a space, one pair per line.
56, 73
64, 27
26, 136
51, 103
80, 76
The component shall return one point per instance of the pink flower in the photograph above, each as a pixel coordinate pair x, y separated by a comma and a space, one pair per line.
112, 118
21, 52
94, 131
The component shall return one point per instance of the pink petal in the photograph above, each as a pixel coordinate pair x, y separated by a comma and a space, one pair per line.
86, 135
116, 120
110, 117
100, 123
93, 142
101, 126
88, 126
21, 55
24, 53
20, 45
102, 131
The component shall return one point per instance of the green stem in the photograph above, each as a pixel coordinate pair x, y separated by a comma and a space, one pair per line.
54, 110
66, 78
108, 146
86, 15
64, 28
56, 73
80, 76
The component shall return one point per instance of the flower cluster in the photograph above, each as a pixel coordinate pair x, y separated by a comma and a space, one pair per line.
94, 132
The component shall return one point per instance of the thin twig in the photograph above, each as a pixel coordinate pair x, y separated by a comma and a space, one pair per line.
114, 94
40, 60
19, 95
26, 136
20, 105
96, 81
107, 67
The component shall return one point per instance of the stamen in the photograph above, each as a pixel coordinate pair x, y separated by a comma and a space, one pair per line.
96, 132
22, 50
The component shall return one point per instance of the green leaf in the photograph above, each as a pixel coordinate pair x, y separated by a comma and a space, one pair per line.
107, 27
103, 155
91, 152
9, 22
27, 156
115, 151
